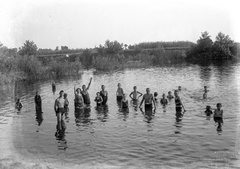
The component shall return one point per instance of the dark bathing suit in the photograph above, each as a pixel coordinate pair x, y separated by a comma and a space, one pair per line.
148, 102
98, 99
124, 104
104, 97
178, 105
86, 98
119, 98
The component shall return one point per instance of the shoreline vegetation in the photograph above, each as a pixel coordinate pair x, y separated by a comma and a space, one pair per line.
29, 62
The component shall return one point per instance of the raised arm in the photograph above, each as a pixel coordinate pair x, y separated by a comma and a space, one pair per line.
89, 83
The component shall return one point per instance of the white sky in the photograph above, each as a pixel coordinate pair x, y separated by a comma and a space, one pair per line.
88, 23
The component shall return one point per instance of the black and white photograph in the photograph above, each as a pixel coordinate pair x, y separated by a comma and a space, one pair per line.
119, 84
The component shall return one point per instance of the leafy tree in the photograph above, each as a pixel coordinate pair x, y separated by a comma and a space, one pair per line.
223, 39
113, 47
28, 48
204, 43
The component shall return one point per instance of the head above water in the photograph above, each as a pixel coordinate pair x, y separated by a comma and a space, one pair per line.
65, 95
208, 107
155, 94
61, 93
169, 92
78, 90
98, 93
119, 85
134, 87
83, 87
103, 87
219, 105
163, 95
179, 88
176, 92
147, 90
37, 93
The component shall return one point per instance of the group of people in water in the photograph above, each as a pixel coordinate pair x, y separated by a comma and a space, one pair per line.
82, 101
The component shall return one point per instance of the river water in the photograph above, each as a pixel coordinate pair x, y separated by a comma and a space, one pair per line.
108, 138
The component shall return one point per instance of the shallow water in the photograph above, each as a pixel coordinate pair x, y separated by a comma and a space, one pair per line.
107, 138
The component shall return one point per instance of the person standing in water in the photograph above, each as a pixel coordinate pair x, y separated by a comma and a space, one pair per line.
18, 105
218, 116
66, 108
59, 110
179, 105
53, 87
78, 101
205, 92
98, 99
38, 102
134, 95
149, 100
104, 95
85, 93
119, 93
124, 103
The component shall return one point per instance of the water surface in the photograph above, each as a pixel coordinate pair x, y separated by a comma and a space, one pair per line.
106, 137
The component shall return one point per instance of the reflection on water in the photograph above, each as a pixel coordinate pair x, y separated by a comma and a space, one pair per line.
135, 137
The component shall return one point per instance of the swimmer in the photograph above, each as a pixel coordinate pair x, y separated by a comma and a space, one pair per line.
179, 105
59, 110
98, 99
124, 103
78, 101
205, 92
18, 105
179, 88
149, 100
218, 116
170, 96
119, 92
104, 95
38, 102
208, 111
85, 93
134, 95
163, 100
66, 109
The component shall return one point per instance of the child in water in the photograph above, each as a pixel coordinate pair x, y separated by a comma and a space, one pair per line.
119, 92
98, 99
124, 103
205, 92
170, 96
18, 105
66, 109
218, 116
208, 111
163, 100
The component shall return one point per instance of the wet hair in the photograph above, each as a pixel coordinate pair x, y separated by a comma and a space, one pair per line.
155, 94
219, 104
61, 91
208, 107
